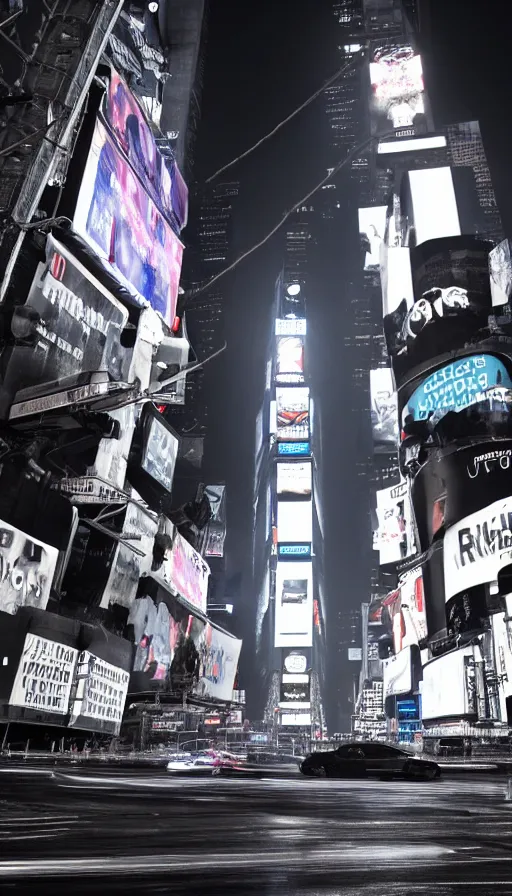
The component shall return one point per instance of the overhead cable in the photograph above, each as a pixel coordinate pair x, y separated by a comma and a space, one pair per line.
281, 124
191, 294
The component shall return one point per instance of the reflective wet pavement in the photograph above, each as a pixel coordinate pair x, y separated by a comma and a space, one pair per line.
101, 832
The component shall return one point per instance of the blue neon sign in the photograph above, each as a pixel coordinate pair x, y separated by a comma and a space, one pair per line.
294, 449
295, 551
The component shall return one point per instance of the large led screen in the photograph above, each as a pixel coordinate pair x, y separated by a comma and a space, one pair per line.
476, 548
292, 412
396, 279
397, 674
160, 451
384, 410
291, 326
100, 694
397, 82
218, 662
290, 359
456, 386
122, 224
294, 449
186, 571
294, 605
405, 610
448, 689
395, 536
27, 568
160, 177
434, 204
294, 521
372, 226
294, 480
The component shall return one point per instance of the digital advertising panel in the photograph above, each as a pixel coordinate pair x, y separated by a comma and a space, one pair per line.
294, 449
395, 537
405, 609
296, 663
100, 694
455, 386
434, 204
396, 280
296, 719
290, 359
128, 567
397, 674
294, 480
454, 483
294, 605
294, 521
384, 411
292, 412
291, 326
27, 568
187, 573
45, 676
396, 76
160, 177
500, 270
477, 547
294, 551
439, 701
218, 662
122, 224
372, 227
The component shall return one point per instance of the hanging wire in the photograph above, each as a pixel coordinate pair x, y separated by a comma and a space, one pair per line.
191, 294
285, 121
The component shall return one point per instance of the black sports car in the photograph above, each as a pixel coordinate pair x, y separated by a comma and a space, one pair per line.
368, 758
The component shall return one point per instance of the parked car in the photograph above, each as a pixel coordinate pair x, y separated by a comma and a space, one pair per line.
358, 760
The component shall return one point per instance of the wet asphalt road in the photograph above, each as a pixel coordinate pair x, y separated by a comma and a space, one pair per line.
100, 832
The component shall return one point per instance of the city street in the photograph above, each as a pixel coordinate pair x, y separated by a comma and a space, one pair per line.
90, 831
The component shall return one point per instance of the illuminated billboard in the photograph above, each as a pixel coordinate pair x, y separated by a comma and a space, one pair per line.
100, 694
294, 550
384, 410
500, 270
405, 613
456, 386
291, 326
396, 279
372, 226
434, 204
294, 449
459, 699
477, 547
45, 675
395, 536
290, 359
186, 571
294, 605
294, 480
292, 412
124, 227
396, 77
294, 521
397, 674
27, 570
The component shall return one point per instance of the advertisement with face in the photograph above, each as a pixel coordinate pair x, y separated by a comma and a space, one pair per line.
396, 77
290, 359
160, 177
295, 521
439, 701
27, 568
218, 663
456, 386
100, 694
395, 537
292, 413
477, 547
122, 224
397, 674
294, 605
453, 484
45, 676
294, 480
186, 572
384, 410
372, 226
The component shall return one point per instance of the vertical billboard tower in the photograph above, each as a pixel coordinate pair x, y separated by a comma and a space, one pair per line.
292, 516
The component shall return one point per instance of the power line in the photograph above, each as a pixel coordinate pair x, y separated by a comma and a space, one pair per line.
191, 294
281, 124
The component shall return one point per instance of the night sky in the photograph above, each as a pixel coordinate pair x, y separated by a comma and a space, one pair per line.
262, 60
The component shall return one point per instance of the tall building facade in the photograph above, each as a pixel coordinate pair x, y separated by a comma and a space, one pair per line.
379, 103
